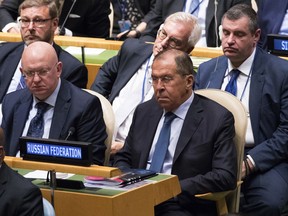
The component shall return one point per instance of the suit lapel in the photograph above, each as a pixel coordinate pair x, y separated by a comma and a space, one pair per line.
8, 69
61, 111
19, 120
131, 66
191, 123
256, 87
153, 119
216, 77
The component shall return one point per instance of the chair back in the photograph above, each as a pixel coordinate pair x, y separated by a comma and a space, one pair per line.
48, 208
234, 105
109, 119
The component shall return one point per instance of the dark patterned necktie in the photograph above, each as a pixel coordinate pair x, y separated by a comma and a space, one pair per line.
36, 127
162, 143
232, 84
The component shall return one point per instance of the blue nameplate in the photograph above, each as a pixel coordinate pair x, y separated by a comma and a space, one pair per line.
277, 44
56, 151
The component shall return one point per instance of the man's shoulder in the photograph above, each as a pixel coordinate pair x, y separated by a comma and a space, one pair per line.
67, 58
8, 47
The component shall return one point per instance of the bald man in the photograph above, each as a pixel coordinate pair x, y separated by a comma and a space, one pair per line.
42, 70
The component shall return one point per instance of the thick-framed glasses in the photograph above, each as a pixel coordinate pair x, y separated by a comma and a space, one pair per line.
41, 73
172, 42
166, 80
37, 23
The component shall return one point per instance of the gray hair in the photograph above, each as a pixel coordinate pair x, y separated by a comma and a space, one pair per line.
184, 17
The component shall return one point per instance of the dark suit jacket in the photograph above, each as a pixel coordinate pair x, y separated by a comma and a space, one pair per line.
19, 197
74, 108
268, 105
205, 156
164, 8
11, 53
270, 17
117, 71
89, 18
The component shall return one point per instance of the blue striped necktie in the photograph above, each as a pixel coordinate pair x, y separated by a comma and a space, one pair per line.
162, 143
36, 127
22, 83
232, 84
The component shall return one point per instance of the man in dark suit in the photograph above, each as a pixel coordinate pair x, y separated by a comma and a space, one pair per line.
19, 197
88, 18
164, 8
272, 18
201, 151
262, 86
130, 70
10, 53
68, 106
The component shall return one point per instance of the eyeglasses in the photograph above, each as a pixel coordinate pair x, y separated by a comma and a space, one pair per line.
41, 73
164, 80
38, 23
173, 42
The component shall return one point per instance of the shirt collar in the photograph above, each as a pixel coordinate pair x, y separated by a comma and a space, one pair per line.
246, 66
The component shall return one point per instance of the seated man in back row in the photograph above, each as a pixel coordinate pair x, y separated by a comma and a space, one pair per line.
50, 107
126, 78
199, 144
39, 19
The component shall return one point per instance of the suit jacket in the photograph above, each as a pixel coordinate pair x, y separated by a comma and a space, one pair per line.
164, 8
89, 18
19, 197
270, 18
267, 105
118, 70
85, 116
11, 53
205, 156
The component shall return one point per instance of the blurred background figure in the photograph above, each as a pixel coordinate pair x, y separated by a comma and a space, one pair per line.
86, 18
205, 10
128, 14
272, 19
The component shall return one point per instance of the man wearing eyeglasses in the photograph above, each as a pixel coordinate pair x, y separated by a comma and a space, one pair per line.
38, 21
49, 106
126, 78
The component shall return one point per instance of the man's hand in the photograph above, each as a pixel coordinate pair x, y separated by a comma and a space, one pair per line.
115, 147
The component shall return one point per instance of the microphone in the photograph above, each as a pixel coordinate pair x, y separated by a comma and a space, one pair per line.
66, 18
70, 132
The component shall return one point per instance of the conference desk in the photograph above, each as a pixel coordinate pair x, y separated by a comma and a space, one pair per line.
138, 201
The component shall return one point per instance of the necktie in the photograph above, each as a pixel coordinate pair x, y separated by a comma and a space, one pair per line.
22, 83
162, 143
194, 7
232, 84
36, 127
